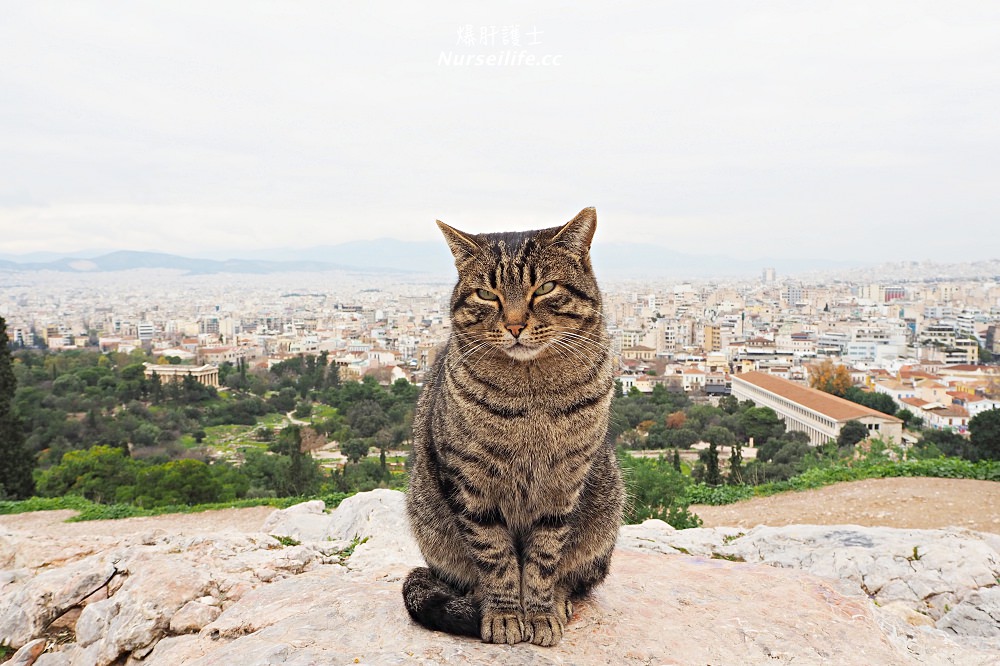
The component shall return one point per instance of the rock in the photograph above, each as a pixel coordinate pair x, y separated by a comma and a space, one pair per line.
139, 613
28, 653
26, 609
925, 569
652, 609
978, 614
907, 614
657, 536
651, 535
191, 617
375, 524
336, 598
307, 521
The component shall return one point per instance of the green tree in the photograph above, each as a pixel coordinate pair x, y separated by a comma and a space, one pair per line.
736, 465
16, 462
366, 418
710, 458
304, 474
655, 490
909, 419
877, 401
761, 424
720, 436
729, 404
984, 435
96, 473
851, 433
355, 448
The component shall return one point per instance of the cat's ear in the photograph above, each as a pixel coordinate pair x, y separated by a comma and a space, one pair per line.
462, 247
577, 234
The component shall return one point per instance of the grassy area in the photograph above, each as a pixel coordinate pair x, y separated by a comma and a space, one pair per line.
321, 412
92, 511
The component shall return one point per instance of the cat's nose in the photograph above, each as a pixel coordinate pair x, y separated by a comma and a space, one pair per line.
515, 329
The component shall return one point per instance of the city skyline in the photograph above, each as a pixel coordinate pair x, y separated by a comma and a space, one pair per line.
858, 132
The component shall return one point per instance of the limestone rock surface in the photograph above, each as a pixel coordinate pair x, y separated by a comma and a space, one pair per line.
799, 594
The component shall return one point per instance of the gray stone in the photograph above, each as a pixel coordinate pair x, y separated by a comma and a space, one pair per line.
978, 614
307, 521
376, 523
925, 569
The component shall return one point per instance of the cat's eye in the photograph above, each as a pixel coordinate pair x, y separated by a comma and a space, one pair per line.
545, 288
486, 295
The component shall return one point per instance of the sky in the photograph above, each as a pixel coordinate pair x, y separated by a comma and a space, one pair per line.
863, 131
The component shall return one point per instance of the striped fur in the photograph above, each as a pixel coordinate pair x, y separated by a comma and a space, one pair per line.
515, 495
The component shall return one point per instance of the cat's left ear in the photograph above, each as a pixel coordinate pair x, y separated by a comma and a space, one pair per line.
577, 234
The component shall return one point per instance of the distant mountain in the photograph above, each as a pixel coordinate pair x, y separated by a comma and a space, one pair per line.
125, 260
611, 260
42, 257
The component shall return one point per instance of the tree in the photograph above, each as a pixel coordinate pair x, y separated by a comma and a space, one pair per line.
909, 419
16, 462
877, 401
830, 377
851, 433
761, 423
303, 471
355, 449
729, 404
366, 418
984, 437
684, 438
710, 457
96, 474
719, 436
736, 465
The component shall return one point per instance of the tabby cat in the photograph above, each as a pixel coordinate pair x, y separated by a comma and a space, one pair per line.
515, 494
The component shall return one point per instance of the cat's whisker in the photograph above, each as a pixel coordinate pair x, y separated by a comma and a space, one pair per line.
561, 345
582, 342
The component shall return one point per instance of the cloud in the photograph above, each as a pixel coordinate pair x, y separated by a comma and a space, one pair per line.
850, 127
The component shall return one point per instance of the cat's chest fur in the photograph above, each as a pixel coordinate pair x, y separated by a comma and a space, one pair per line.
528, 436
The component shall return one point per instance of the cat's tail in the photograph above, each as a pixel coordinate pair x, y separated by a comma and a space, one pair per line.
437, 605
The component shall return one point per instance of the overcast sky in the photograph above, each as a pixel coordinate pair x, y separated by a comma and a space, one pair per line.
862, 130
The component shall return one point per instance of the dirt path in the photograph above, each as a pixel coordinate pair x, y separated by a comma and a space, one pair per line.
50, 523
914, 503
920, 503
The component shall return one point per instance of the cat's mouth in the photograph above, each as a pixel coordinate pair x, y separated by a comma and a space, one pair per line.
522, 352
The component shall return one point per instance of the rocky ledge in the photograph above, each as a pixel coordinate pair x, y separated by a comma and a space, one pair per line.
318, 587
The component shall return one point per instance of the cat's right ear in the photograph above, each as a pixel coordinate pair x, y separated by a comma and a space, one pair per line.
462, 247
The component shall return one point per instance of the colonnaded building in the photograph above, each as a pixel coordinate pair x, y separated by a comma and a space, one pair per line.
205, 374
818, 414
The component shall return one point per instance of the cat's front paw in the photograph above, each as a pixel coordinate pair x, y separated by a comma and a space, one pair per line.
503, 627
545, 629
